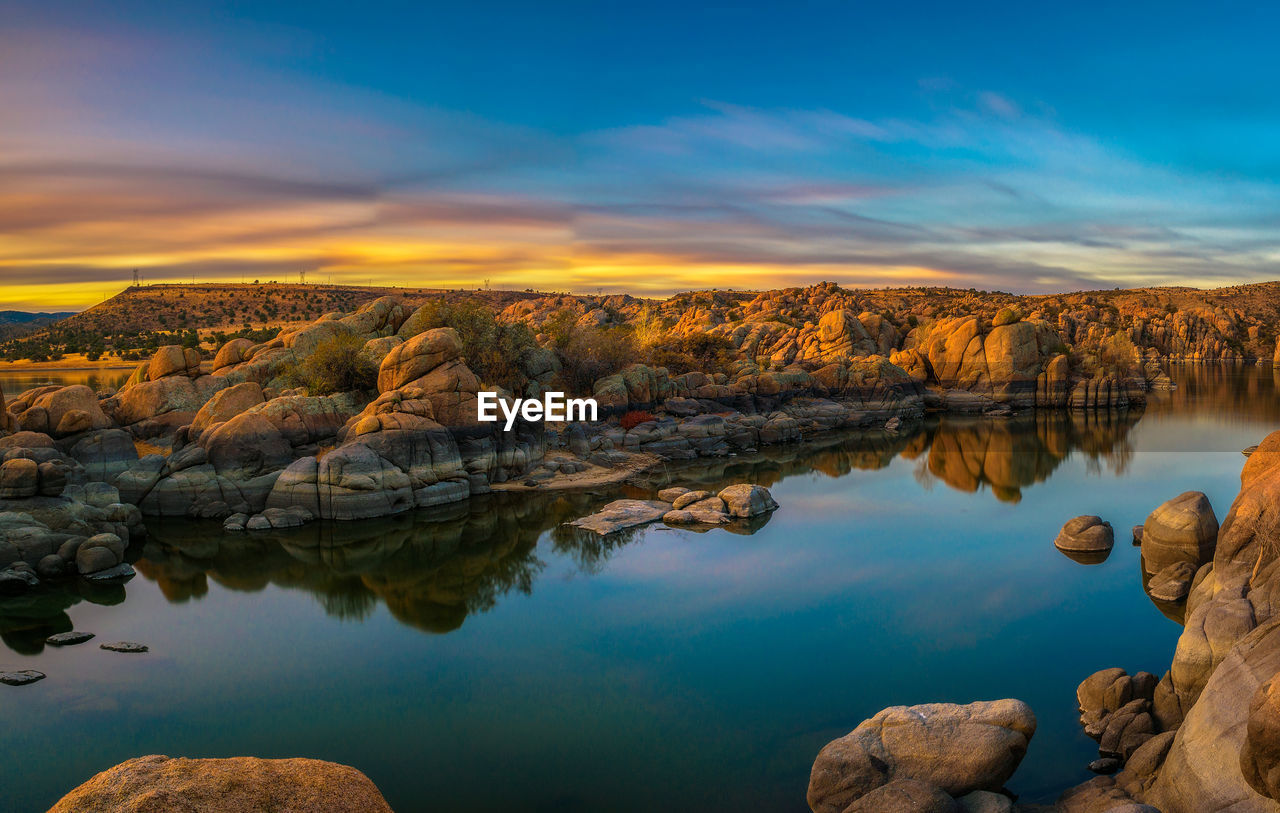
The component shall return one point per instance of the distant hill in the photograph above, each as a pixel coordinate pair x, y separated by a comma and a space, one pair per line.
20, 323
143, 317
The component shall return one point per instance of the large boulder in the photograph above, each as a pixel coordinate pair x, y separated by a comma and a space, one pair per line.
7, 423
246, 446
418, 356
161, 784
226, 404
1212, 764
958, 749
432, 363
173, 360
19, 478
1183, 529
840, 335
64, 411
1085, 534
747, 500
104, 454
232, 353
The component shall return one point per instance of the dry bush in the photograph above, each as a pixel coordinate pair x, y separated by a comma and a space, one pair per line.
336, 365
1266, 532
591, 353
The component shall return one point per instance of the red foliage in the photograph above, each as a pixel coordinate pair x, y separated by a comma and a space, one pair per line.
634, 418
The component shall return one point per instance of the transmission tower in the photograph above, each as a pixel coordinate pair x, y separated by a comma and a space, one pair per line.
136, 279
302, 277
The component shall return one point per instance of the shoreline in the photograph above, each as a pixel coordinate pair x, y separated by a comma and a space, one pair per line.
59, 367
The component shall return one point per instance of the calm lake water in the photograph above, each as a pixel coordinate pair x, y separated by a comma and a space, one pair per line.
482, 658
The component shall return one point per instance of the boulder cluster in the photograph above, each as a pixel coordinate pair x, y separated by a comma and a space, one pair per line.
1202, 737
680, 506
55, 522
236, 439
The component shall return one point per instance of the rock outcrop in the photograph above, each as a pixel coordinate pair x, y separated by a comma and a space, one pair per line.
951, 748
161, 784
1184, 529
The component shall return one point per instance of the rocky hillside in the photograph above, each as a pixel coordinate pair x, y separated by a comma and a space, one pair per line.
778, 327
785, 325
140, 319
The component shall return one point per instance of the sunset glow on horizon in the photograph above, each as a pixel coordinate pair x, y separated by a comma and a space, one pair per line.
758, 149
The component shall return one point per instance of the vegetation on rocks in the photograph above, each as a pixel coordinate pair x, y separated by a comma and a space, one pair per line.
336, 365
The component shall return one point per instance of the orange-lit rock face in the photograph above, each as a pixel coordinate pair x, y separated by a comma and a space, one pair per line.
237, 785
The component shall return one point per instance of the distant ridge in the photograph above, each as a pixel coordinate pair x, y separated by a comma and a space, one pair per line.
19, 323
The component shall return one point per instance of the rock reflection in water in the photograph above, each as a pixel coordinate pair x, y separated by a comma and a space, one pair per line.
964, 452
26, 620
1009, 454
431, 569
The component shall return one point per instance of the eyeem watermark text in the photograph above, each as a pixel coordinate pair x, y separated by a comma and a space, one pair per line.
553, 407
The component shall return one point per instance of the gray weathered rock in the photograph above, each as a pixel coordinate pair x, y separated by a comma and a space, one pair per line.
128, 647
21, 677
68, 638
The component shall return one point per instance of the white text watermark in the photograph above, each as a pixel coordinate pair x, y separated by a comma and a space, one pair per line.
553, 407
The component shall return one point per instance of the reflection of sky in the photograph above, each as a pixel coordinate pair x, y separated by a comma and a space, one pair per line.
693, 672
1024, 149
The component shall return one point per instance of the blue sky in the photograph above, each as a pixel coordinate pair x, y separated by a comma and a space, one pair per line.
637, 147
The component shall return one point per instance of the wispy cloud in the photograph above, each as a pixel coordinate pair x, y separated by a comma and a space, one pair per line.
117, 156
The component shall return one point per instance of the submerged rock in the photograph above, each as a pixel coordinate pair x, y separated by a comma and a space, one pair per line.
68, 638
125, 646
236, 785
957, 749
120, 573
621, 514
21, 677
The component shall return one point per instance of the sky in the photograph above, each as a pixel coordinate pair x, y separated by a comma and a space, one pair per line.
636, 147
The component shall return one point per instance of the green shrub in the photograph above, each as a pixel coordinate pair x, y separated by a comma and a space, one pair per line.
335, 366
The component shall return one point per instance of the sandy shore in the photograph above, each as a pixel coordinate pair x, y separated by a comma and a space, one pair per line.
72, 363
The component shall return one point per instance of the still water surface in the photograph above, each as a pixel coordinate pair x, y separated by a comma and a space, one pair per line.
483, 658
